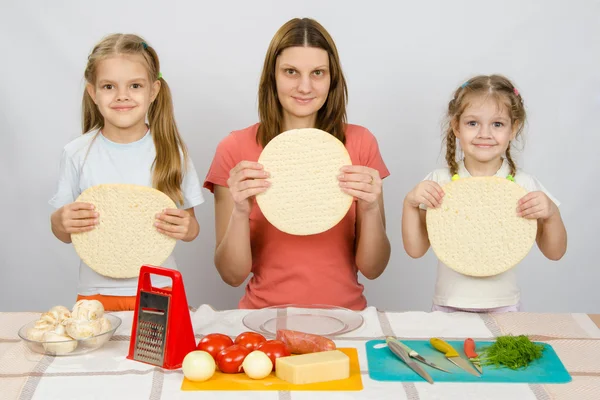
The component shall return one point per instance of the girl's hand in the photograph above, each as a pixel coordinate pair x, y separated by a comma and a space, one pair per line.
246, 180
536, 205
363, 183
75, 218
426, 192
174, 223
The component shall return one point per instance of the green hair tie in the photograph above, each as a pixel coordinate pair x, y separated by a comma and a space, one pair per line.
510, 178
160, 75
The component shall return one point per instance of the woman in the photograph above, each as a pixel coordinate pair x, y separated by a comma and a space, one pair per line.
302, 86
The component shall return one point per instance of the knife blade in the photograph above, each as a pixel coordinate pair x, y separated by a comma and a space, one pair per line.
403, 355
412, 353
469, 348
453, 356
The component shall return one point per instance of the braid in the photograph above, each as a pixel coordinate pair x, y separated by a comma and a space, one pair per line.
511, 163
451, 151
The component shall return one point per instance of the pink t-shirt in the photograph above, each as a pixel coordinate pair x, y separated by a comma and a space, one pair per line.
288, 269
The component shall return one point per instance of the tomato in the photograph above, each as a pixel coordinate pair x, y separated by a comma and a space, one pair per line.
230, 360
250, 340
274, 349
214, 343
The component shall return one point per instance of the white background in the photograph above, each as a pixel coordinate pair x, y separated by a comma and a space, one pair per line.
402, 61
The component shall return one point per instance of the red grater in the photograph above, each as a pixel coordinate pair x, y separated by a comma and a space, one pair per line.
162, 332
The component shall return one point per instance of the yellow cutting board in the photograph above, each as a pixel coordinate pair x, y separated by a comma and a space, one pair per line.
221, 381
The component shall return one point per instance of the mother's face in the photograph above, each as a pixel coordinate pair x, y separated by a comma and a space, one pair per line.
302, 76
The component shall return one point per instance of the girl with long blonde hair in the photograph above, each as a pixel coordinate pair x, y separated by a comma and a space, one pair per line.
124, 89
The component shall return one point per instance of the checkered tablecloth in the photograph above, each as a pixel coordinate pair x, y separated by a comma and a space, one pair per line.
107, 374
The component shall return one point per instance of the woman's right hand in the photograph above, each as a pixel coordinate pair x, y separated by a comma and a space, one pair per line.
246, 180
75, 217
426, 192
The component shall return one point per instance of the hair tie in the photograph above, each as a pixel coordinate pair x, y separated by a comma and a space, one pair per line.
516, 91
464, 85
145, 45
160, 75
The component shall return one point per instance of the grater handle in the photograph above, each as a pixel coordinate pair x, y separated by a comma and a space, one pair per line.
148, 270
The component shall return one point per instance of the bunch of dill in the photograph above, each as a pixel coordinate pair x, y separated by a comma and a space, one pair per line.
513, 352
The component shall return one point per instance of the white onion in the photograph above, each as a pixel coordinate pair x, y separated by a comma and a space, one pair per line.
198, 366
257, 365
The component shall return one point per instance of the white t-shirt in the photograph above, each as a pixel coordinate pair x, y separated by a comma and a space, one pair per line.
110, 162
453, 289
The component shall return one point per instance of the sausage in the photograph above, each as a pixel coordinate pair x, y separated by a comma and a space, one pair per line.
302, 343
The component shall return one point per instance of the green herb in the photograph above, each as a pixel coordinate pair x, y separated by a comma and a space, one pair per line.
510, 351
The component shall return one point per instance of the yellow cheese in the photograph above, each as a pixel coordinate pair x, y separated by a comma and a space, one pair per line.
314, 367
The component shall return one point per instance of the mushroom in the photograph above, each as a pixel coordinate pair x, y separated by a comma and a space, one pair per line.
39, 328
58, 344
60, 329
62, 313
49, 318
36, 334
44, 325
82, 329
88, 310
105, 325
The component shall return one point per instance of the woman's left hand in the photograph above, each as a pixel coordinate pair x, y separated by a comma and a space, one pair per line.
536, 205
174, 222
363, 183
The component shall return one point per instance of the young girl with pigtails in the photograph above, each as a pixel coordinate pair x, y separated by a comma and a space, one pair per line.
129, 136
485, 116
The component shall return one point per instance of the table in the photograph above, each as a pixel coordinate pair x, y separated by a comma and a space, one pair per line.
107, 374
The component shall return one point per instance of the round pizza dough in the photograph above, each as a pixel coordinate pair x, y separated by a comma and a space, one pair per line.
476, 230
125, 238
305, 197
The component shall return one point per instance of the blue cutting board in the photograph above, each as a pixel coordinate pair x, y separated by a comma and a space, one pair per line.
385, 366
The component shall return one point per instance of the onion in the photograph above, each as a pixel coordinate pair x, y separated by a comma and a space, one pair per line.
257, 365
198, 366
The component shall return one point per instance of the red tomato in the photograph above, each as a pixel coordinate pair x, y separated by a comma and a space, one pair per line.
214, 343
230, 360
274, 349
250, 340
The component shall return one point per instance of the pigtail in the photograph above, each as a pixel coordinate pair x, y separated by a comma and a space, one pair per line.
451, 150
450, 138
511, 163
90, 116
171, 152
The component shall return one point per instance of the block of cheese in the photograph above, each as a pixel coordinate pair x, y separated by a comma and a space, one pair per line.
314, 367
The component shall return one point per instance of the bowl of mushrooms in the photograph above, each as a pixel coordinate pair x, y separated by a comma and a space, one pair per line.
64, 332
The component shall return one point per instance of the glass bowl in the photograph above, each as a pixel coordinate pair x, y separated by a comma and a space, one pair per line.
71, 347
317, 319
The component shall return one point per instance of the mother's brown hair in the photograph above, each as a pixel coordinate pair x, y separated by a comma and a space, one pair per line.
331, 117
